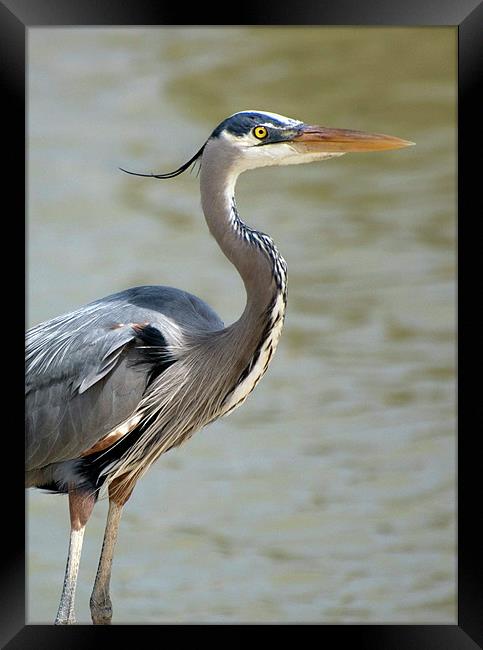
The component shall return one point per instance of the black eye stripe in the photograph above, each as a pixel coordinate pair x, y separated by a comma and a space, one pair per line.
242, 123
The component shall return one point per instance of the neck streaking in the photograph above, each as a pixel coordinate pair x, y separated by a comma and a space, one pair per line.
254, 337
261, 243
255, 256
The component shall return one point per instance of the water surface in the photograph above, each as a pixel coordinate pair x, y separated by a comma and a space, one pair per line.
330, 495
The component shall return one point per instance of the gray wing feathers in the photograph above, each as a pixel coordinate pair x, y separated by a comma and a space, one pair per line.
77, 395
80, 381
105, 364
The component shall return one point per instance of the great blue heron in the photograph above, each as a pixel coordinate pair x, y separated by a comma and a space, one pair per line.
114, 384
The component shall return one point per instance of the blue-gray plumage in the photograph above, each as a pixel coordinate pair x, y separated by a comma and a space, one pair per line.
85, 370
113, 385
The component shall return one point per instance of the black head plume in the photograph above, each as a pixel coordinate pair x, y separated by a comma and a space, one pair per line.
176, 172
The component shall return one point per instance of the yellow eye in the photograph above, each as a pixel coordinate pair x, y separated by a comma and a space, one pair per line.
260, 132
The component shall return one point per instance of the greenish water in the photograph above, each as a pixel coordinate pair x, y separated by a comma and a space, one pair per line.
330, 495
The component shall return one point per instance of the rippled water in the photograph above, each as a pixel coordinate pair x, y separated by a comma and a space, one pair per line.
330, 495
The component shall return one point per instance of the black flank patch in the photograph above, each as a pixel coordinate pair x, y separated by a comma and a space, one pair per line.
153, 351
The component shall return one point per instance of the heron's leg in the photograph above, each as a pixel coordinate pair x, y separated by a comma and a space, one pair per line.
100, 602
80, 507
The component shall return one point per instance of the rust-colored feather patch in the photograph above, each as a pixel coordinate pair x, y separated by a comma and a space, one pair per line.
113, 436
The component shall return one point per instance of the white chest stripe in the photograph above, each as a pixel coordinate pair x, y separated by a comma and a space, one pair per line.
241, 392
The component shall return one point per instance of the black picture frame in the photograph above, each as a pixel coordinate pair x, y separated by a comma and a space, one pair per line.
16, 16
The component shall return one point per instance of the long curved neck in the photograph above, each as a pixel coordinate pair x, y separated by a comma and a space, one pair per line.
254, 254
248, 344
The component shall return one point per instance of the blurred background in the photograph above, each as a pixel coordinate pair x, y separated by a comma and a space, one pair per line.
328, 497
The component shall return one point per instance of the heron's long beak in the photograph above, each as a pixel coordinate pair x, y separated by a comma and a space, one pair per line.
321, 139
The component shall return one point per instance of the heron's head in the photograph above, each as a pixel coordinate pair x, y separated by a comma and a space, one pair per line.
251, 139
257, 139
